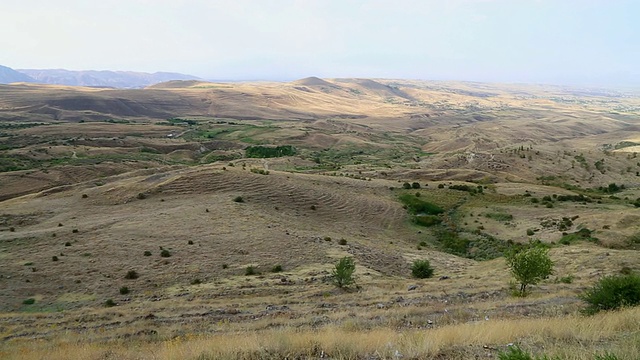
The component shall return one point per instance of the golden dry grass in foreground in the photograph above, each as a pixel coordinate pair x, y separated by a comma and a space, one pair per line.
571, 337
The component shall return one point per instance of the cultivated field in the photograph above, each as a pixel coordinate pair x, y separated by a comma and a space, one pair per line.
155, 223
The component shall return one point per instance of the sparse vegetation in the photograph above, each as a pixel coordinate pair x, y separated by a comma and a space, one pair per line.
238, 199
250, 270
124, 290
165, 253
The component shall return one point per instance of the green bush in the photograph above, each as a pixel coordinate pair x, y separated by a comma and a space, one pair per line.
147, 253
276, 269
342, 274
131, 274
406, 186
54, 258
165, 253
196, 282
250, 270
529, 265
124, 290
109, 303
613, 292
421, 269
29, 301
415, 185
342, 241
238, 199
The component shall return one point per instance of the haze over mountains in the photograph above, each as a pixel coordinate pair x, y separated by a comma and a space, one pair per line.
116, 79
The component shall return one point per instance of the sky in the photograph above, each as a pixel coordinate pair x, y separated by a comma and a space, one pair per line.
532, 41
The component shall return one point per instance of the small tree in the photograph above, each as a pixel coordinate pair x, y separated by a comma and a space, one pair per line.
343, 272
421, 269
530, 265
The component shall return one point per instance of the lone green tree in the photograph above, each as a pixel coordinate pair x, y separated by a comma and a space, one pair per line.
343, 272
530, 265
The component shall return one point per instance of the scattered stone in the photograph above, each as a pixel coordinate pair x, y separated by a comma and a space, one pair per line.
444, 277
412, 287
380, 306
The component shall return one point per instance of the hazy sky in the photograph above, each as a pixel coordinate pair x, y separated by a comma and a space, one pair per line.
544, 41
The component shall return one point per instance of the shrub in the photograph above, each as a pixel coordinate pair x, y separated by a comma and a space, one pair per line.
406, 186
84, 196
147, 253
131, 274
75, 231
529, 265
415, 185
196, 282
124, 290
342, 274
313, 207
67, 243
250, 270
421, 269
109, 303
54, 258
225, 266
190, 242
276, 269
29, 301
12, 229
530, 232
342, 241
141, 196
566, 279
238, 199
165, 253
613, 292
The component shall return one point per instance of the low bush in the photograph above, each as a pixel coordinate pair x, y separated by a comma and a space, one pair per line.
165, 253
147, 253
131, 274
238, 199
613, 292
250, 270
124, 290
29, 301
276, 268
109, 303
421, 269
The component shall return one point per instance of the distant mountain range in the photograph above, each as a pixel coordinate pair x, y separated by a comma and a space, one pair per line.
116, 79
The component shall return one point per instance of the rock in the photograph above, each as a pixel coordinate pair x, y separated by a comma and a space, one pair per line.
430, 322
380, 306
412, 287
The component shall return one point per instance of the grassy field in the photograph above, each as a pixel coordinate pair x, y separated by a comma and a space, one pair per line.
134, 225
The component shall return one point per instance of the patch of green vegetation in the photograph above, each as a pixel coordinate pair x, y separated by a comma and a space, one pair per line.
499, 216
583, 234
418, 206
270, 152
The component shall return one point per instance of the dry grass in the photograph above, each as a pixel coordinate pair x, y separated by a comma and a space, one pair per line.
572, 337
